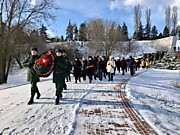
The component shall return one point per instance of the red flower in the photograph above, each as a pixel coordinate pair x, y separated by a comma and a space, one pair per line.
44, 61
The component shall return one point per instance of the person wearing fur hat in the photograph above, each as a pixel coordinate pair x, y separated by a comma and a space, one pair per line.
110, 68
31, 76
59, 73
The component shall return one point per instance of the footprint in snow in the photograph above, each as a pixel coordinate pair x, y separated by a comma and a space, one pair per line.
28, 110
25, 131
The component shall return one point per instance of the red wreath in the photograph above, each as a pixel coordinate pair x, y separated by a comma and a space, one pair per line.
44, 61
44, 65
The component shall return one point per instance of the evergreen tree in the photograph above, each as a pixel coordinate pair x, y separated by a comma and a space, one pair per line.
83, 32
160, 35
75, 33
147, 31
120, 33
125, 30
178, 31
62, 39
173, 32
166, 32
69, 32
135, 35
43, 31
154, 32
140, 32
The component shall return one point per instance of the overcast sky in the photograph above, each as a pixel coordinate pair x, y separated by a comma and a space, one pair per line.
79, 11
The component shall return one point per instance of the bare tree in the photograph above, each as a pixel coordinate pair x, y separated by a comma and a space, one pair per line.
148, 23
174, 20
96, 32
168, 17
18, 15
104, 35
137, 17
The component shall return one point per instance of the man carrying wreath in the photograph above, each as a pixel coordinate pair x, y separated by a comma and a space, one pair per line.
31, 76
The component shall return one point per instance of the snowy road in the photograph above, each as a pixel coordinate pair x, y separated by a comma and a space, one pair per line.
43, 117
85, 109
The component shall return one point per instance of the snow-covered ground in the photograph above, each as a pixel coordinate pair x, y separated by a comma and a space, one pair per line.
152, 92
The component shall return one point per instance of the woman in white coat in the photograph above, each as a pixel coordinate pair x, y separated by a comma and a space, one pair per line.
110, 68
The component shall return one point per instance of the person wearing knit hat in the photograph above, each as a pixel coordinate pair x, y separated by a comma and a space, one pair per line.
32, 77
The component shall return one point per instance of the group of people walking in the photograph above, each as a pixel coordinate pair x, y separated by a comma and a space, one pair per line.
60, 72
91, 68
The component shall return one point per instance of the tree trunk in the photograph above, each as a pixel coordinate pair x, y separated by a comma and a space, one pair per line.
2, 69
19, 63
8, 68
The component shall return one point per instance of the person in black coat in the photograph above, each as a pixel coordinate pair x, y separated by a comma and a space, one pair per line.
90, 68
100, 65
77, 69
104, 60
132, 65
123, 65
84, 66
118, 64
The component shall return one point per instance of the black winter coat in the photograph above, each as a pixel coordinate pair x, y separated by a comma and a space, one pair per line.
90, 68
77, 67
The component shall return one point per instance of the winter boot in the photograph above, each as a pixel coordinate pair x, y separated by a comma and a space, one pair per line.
31, 100
38, 95
60, 96
57, 100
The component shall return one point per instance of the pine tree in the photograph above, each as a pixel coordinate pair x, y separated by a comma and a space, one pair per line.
125, 30
173, 32
120, 33
83, 32
135, 35
154, 32
69, 32
140, 32
147, 31
43, 31
160, 35
166, 32
62, 39
75, 33
178, 31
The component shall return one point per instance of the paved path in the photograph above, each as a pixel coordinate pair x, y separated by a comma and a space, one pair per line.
110, 115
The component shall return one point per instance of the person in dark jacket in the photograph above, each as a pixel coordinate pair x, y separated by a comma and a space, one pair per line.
84, 66
123, 65
31, 76
90, 68
132, 65
118, 64
59, 73
100, 65
68, 69
77, 69
104, 60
